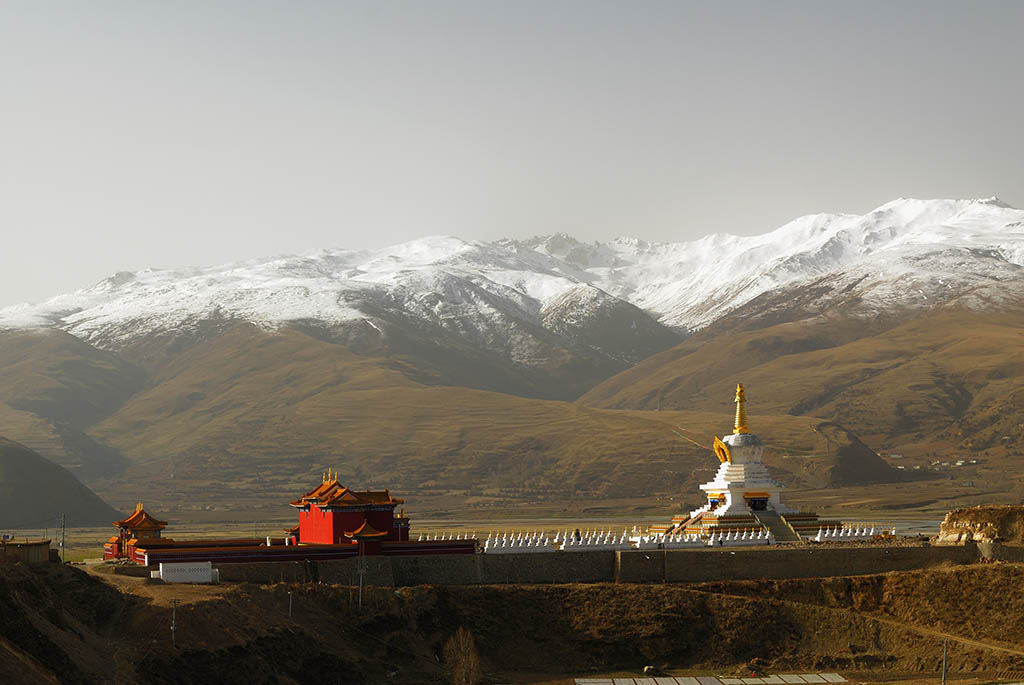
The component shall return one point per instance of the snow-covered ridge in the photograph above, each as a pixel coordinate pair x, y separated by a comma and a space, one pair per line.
952, 245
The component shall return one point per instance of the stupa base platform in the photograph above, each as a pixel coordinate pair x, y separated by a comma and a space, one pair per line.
805, 525
706, 524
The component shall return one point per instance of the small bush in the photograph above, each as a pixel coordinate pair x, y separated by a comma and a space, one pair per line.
460, 658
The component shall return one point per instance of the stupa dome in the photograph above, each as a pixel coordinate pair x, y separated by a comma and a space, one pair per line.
742, 440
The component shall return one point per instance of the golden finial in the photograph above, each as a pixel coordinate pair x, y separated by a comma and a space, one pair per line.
741, 410
138, 507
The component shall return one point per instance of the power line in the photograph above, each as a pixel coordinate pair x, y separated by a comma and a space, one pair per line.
28, 524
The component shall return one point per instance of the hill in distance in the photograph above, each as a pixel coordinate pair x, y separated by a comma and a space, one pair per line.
34, 492
265, 413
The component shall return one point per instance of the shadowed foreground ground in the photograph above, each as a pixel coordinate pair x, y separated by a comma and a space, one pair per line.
84, 627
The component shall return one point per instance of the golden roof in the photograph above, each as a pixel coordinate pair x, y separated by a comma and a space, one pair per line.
142, 520
331, 493
365, 531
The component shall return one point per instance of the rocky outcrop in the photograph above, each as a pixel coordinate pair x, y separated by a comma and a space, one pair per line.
987, 523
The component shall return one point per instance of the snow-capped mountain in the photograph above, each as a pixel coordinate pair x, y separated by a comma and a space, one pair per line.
508, 294
906, 252
438, 278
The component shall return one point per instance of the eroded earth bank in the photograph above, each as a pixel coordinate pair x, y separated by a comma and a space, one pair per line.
64, 623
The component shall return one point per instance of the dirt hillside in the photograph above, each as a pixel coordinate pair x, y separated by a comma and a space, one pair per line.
60, 620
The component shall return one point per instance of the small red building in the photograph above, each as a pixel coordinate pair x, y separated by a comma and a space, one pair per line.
140, 526
330, 512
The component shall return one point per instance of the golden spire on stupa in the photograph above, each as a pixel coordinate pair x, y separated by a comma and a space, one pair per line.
741, 411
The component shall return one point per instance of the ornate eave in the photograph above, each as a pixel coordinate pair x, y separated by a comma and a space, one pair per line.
365, 531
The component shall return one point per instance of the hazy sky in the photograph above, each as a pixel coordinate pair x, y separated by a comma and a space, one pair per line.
137, 134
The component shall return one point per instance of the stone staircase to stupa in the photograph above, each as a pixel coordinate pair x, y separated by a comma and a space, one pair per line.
776, 526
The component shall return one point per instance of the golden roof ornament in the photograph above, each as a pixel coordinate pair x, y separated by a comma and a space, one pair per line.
741, 411
722, 451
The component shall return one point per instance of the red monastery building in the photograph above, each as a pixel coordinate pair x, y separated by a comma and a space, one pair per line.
335, 522
331, 512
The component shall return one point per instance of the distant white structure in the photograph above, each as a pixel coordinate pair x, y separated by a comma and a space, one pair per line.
518, 543
741, 539
662, 541
592, 541
187, 572
445, 536
843, 534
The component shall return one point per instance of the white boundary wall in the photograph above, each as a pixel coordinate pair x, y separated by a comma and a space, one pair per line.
187, 572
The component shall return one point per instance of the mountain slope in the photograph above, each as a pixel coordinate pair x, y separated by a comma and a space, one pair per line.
249, 418
946, 379
27, 480
53, 386
263, 412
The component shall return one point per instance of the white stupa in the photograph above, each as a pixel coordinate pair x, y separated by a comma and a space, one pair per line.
742, 485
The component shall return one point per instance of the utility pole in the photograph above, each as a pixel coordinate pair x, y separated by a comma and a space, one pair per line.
289, 604
63, 533
174, 623
361, 571
945, 649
